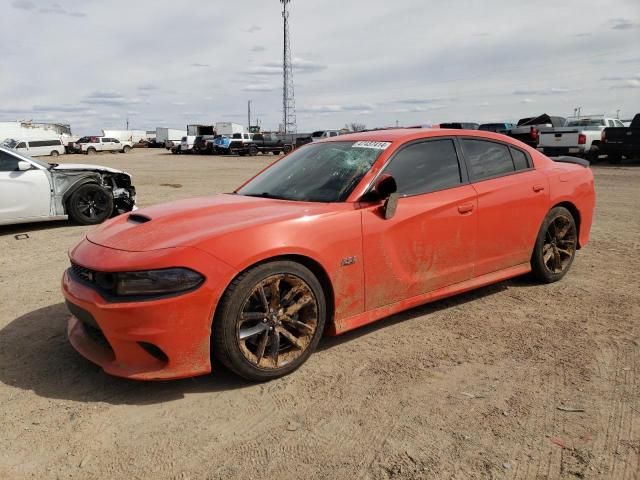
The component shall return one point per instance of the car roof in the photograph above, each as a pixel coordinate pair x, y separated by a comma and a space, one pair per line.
401, 135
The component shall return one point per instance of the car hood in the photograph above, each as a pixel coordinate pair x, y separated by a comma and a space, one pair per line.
85, 167
193, 221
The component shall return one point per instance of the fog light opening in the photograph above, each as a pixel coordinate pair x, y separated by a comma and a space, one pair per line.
154, 351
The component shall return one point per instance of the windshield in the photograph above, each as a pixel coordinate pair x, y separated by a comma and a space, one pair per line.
9, 143
30, 159
320, 172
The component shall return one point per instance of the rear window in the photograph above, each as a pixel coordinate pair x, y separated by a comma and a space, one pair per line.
487, 159
8, 163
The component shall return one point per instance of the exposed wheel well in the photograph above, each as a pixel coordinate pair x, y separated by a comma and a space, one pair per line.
315, 268
576, 216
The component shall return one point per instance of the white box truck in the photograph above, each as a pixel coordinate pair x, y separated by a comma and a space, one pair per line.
228, 128
133, 136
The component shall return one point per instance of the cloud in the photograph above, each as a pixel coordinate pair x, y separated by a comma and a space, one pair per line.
253, 29
481, 34
299, 65
330, 109
200, 65
259, 88
59, 108
23, 4
258, 48
109, 98
630, 83
545, 91
581, 35
527, 100
623, 24
147, 87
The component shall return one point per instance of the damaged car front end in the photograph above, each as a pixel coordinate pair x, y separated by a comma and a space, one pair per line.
32, 190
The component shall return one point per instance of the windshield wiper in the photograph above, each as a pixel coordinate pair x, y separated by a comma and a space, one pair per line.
264, 195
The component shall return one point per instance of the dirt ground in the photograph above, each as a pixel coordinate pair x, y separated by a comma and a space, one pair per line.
469, 387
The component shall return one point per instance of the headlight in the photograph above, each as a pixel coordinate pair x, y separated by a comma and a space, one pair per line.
150, 282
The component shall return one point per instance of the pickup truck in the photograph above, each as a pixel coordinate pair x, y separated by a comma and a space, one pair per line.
528, 129
622, 141
270, 142
581, 137
93, 145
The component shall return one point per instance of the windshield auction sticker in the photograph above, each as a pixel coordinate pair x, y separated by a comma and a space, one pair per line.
376, 145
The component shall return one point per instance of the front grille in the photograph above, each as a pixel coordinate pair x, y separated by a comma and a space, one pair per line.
83, 273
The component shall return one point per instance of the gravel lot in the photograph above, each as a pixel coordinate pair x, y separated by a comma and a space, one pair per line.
469, 387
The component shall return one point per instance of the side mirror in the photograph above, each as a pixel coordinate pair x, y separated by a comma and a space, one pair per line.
385, 189
24, 166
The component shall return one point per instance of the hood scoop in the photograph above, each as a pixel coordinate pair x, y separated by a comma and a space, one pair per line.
138, 218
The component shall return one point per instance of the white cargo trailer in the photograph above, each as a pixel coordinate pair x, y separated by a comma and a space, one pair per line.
228, 128
133, 136
28, 130
164, 135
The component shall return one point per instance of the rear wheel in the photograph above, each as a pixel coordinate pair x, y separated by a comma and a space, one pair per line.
287, 148
54, 153
269, 321
555, 246
126, 149
594, 154
615, 159
90, 204
253, 150
91, 151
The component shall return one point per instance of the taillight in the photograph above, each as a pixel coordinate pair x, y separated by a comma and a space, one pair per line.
534, 133
603, 136
582, 139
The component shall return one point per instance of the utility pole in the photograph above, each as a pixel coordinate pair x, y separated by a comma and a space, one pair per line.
249, 115
127, 124
288, 97
618, 114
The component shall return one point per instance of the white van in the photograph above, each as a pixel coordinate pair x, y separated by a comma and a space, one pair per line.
40, 148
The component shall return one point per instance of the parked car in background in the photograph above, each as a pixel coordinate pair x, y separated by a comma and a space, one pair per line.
581, 137
36, 148
619, 142
323, 240
32, 190
270, 142
202, 144
460, 125
92, 145
186, 144
496, 127
528, 129
322, 134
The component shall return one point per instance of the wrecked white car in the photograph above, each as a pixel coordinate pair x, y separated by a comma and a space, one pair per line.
32, 191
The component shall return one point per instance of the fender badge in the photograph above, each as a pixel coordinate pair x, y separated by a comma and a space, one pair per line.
347, 261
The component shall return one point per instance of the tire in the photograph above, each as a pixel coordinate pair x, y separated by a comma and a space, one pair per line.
253, 151
615, 159
301, 313
54, 153
91, 151
555, 246
276, 152
593, 154
90, 204
287, 149
126, 149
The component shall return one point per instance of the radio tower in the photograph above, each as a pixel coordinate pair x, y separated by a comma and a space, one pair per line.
288, 97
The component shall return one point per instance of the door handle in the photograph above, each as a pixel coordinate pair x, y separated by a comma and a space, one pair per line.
538, 188
466, 208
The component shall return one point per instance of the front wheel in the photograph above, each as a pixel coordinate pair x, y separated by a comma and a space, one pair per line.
555, 246
90, 204
126, 149
54, 153
269, 321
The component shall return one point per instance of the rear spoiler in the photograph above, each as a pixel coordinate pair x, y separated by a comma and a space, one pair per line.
576, 160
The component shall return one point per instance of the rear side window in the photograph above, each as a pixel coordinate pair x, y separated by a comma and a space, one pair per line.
520, 159
426, 167
487, 159
21, 145
8, 163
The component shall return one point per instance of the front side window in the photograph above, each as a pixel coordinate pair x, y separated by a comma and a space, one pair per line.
8, 163
317, 172
21, 145
425, 167
486, 159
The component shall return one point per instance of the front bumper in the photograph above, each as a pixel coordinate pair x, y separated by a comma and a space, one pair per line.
163, 338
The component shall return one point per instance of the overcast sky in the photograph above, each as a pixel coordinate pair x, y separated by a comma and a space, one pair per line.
168, 63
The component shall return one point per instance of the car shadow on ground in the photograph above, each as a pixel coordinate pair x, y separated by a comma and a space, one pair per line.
21, 228
36, 355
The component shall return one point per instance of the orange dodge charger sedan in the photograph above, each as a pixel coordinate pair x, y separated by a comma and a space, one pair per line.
335, 235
